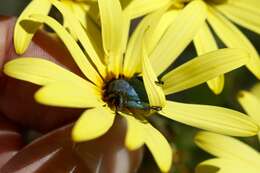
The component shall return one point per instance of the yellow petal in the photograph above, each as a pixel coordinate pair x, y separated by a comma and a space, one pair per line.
79, 57
70, 6
234, 38
78, 9
23, 33
224, 166
40, 72
135, 133
203, 68
82, 36
93, 13
227, 147
250, 103
139, 133
178, 35
112, 22
246, 14
84, 11
158, 28
133, 60
212, 118
217, 84
159, 147
255, 90
92, 124
249, 4
125, 32
137, 8
154, 91
204, 42
67, 94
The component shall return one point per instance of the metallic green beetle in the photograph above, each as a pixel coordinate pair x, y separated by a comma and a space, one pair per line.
129, 95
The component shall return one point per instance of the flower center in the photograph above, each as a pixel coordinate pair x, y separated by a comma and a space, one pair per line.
128, 96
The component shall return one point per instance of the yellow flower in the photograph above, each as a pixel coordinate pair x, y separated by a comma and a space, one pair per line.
86, 11
220, 13
250, 101
233, 156
119, 77
82, 9
137, 8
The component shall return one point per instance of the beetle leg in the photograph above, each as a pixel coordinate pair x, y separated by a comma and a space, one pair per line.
156, 108
121, 102
159, 82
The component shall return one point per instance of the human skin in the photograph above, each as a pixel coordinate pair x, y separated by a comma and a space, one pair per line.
10, 140
56, 152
